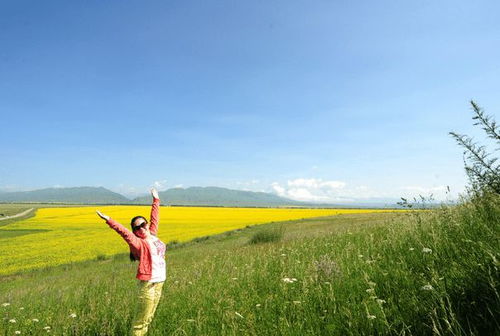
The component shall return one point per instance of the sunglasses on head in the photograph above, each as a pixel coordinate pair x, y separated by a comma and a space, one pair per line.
137, 227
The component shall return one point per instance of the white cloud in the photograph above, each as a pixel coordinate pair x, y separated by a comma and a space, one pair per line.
278, 189
312, 189
315, 183
129, 191
332, 191
160, 185
303, 194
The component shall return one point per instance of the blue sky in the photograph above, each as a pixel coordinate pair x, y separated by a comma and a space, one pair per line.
315, 100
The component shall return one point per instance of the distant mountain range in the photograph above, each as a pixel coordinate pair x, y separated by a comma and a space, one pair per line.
79, 195
212, 196
218, 196
193, 196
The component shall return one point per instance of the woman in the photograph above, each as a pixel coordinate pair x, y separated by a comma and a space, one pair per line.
150, 251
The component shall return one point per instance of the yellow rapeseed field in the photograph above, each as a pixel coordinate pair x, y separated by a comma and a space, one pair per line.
62, 235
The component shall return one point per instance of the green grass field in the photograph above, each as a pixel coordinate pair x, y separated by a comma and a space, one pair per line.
433, 272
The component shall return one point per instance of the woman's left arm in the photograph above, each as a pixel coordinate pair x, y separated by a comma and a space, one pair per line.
155, 213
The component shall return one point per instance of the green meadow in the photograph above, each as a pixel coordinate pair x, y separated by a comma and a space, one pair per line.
417, 273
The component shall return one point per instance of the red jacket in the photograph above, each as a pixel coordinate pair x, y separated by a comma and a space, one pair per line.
138, 246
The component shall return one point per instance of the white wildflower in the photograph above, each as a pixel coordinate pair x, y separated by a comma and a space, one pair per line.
380, 301
35, 320
12, 321
289, 280
5, 304
283, 254
189, 282
373, 297
46, 328
190, 320
21, 308
238, 314
371, 317
258, 305
412, 249
73, 315
371, 284
360, 256
327, 282
427, 288
370, 290
426, 250
17, 332
234, 278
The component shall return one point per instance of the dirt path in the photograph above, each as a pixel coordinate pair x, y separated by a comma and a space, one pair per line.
16, 215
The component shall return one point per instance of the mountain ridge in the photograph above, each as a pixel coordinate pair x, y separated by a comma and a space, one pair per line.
217, 196
210, 196
192, 196
79, 195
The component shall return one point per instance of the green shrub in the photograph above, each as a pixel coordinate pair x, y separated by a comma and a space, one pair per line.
201, 239
267, 236
101, 257
173, 244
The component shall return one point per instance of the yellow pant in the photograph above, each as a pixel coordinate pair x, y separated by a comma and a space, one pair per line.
149, 296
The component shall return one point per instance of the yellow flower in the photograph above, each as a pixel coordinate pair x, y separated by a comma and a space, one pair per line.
80, 230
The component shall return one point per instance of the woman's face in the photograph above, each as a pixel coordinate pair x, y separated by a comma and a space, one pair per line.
141, 227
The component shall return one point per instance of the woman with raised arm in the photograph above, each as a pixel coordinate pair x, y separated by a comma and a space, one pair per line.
150, 252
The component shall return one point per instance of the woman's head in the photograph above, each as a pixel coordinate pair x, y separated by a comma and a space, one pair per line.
140, 227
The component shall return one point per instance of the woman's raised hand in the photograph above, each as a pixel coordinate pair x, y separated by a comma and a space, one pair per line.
103, 216
154, 193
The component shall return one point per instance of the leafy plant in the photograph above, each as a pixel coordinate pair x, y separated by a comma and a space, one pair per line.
481, 165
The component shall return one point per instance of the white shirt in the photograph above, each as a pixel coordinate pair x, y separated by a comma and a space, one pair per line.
158, 268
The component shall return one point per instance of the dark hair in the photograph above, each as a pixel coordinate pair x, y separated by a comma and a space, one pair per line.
132, 256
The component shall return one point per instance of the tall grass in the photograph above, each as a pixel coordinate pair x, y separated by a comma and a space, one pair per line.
428, 272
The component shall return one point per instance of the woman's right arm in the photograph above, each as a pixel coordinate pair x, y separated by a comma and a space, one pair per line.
127, 235
155, 212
